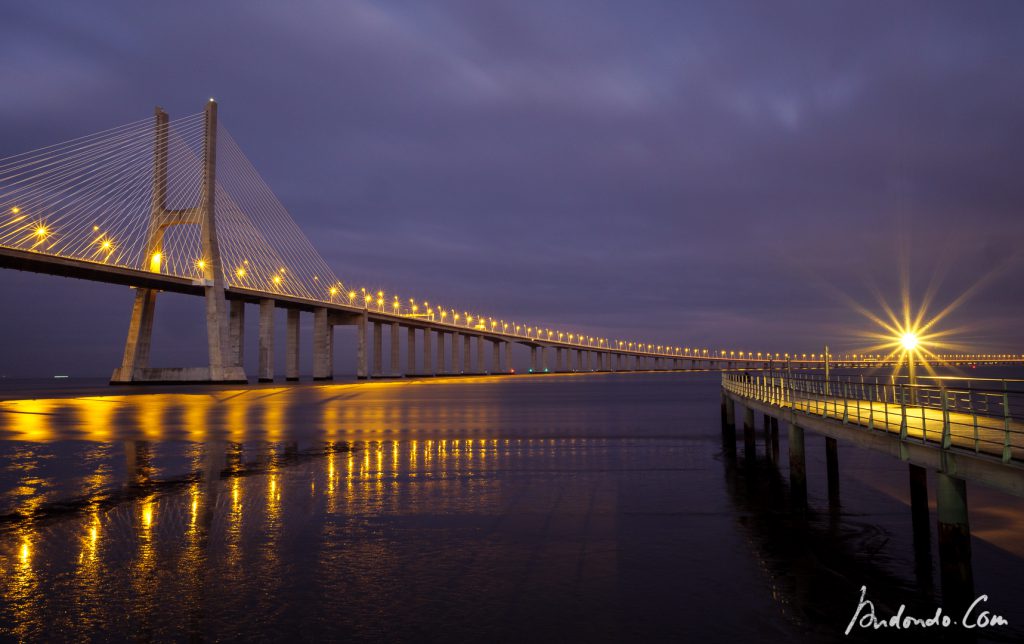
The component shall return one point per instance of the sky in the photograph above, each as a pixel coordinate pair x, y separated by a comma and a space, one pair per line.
701, 174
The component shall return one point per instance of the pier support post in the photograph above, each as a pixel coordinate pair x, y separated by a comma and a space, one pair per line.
749, 438
291, 345
466, 348
455, 352
544, 358
954, 542
236, 329
410, 351
322, 345
775, 439
921, 526
495, 356
378, 349
362, 372
797, 466
440, 353
266, 342
394, 368
428, 358
508, 358
832, 466
533, 359
480, 354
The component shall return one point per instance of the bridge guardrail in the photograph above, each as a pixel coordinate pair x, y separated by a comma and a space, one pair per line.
979, 415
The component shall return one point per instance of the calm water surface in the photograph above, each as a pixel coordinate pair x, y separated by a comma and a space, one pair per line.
573, 508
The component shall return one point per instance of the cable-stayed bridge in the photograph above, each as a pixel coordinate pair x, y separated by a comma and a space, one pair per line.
175, 205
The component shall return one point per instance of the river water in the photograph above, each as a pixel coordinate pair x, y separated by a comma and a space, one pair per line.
554, 507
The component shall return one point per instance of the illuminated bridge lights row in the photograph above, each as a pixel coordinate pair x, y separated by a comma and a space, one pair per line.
104, 245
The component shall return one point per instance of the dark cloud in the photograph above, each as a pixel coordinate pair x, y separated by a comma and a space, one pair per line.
690, 174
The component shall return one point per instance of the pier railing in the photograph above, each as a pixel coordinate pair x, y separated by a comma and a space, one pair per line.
985, 416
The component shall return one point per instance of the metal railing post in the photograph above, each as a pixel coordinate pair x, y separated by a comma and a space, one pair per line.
903, 412
1007, 449
947, 438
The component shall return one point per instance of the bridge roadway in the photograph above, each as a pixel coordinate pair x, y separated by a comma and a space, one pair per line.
961, 429
968, 429
370, 361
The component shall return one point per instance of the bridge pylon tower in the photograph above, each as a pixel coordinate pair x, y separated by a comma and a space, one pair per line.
224, 364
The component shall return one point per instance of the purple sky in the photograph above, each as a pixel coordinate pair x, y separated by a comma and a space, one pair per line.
696, 174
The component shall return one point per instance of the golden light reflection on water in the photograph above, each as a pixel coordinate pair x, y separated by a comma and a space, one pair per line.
269, 414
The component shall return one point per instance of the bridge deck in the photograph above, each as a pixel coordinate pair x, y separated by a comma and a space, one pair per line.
964, 421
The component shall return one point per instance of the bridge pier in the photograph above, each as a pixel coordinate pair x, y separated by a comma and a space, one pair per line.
222, 365
775, 439
236, 330
728, 412
395, 369
466, 342
440, 353
533, 359
495, 356
455, 352
410, 350
797, 466
323, 345
954, 542
291, 367
921, 528
544, 351
266, 341
428, 359
832, 466
378, 349
480, 354
749, 438
508, 358
361, 368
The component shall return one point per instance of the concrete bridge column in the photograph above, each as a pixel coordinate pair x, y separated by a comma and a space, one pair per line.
480, 354
466, 341
440, 353
410, 351
291, 365
749, 438
922, 533
728, 411
140, 336
330, 349
394, 350
322, 345
508, 357
361, 370
954, 542
236, 331
579, 360
428, 359
558, 358
533, 359
797, 466
544, 358
775, 439
832, 467
378, 349
767, 436
266, 345
495, 356
455, 351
